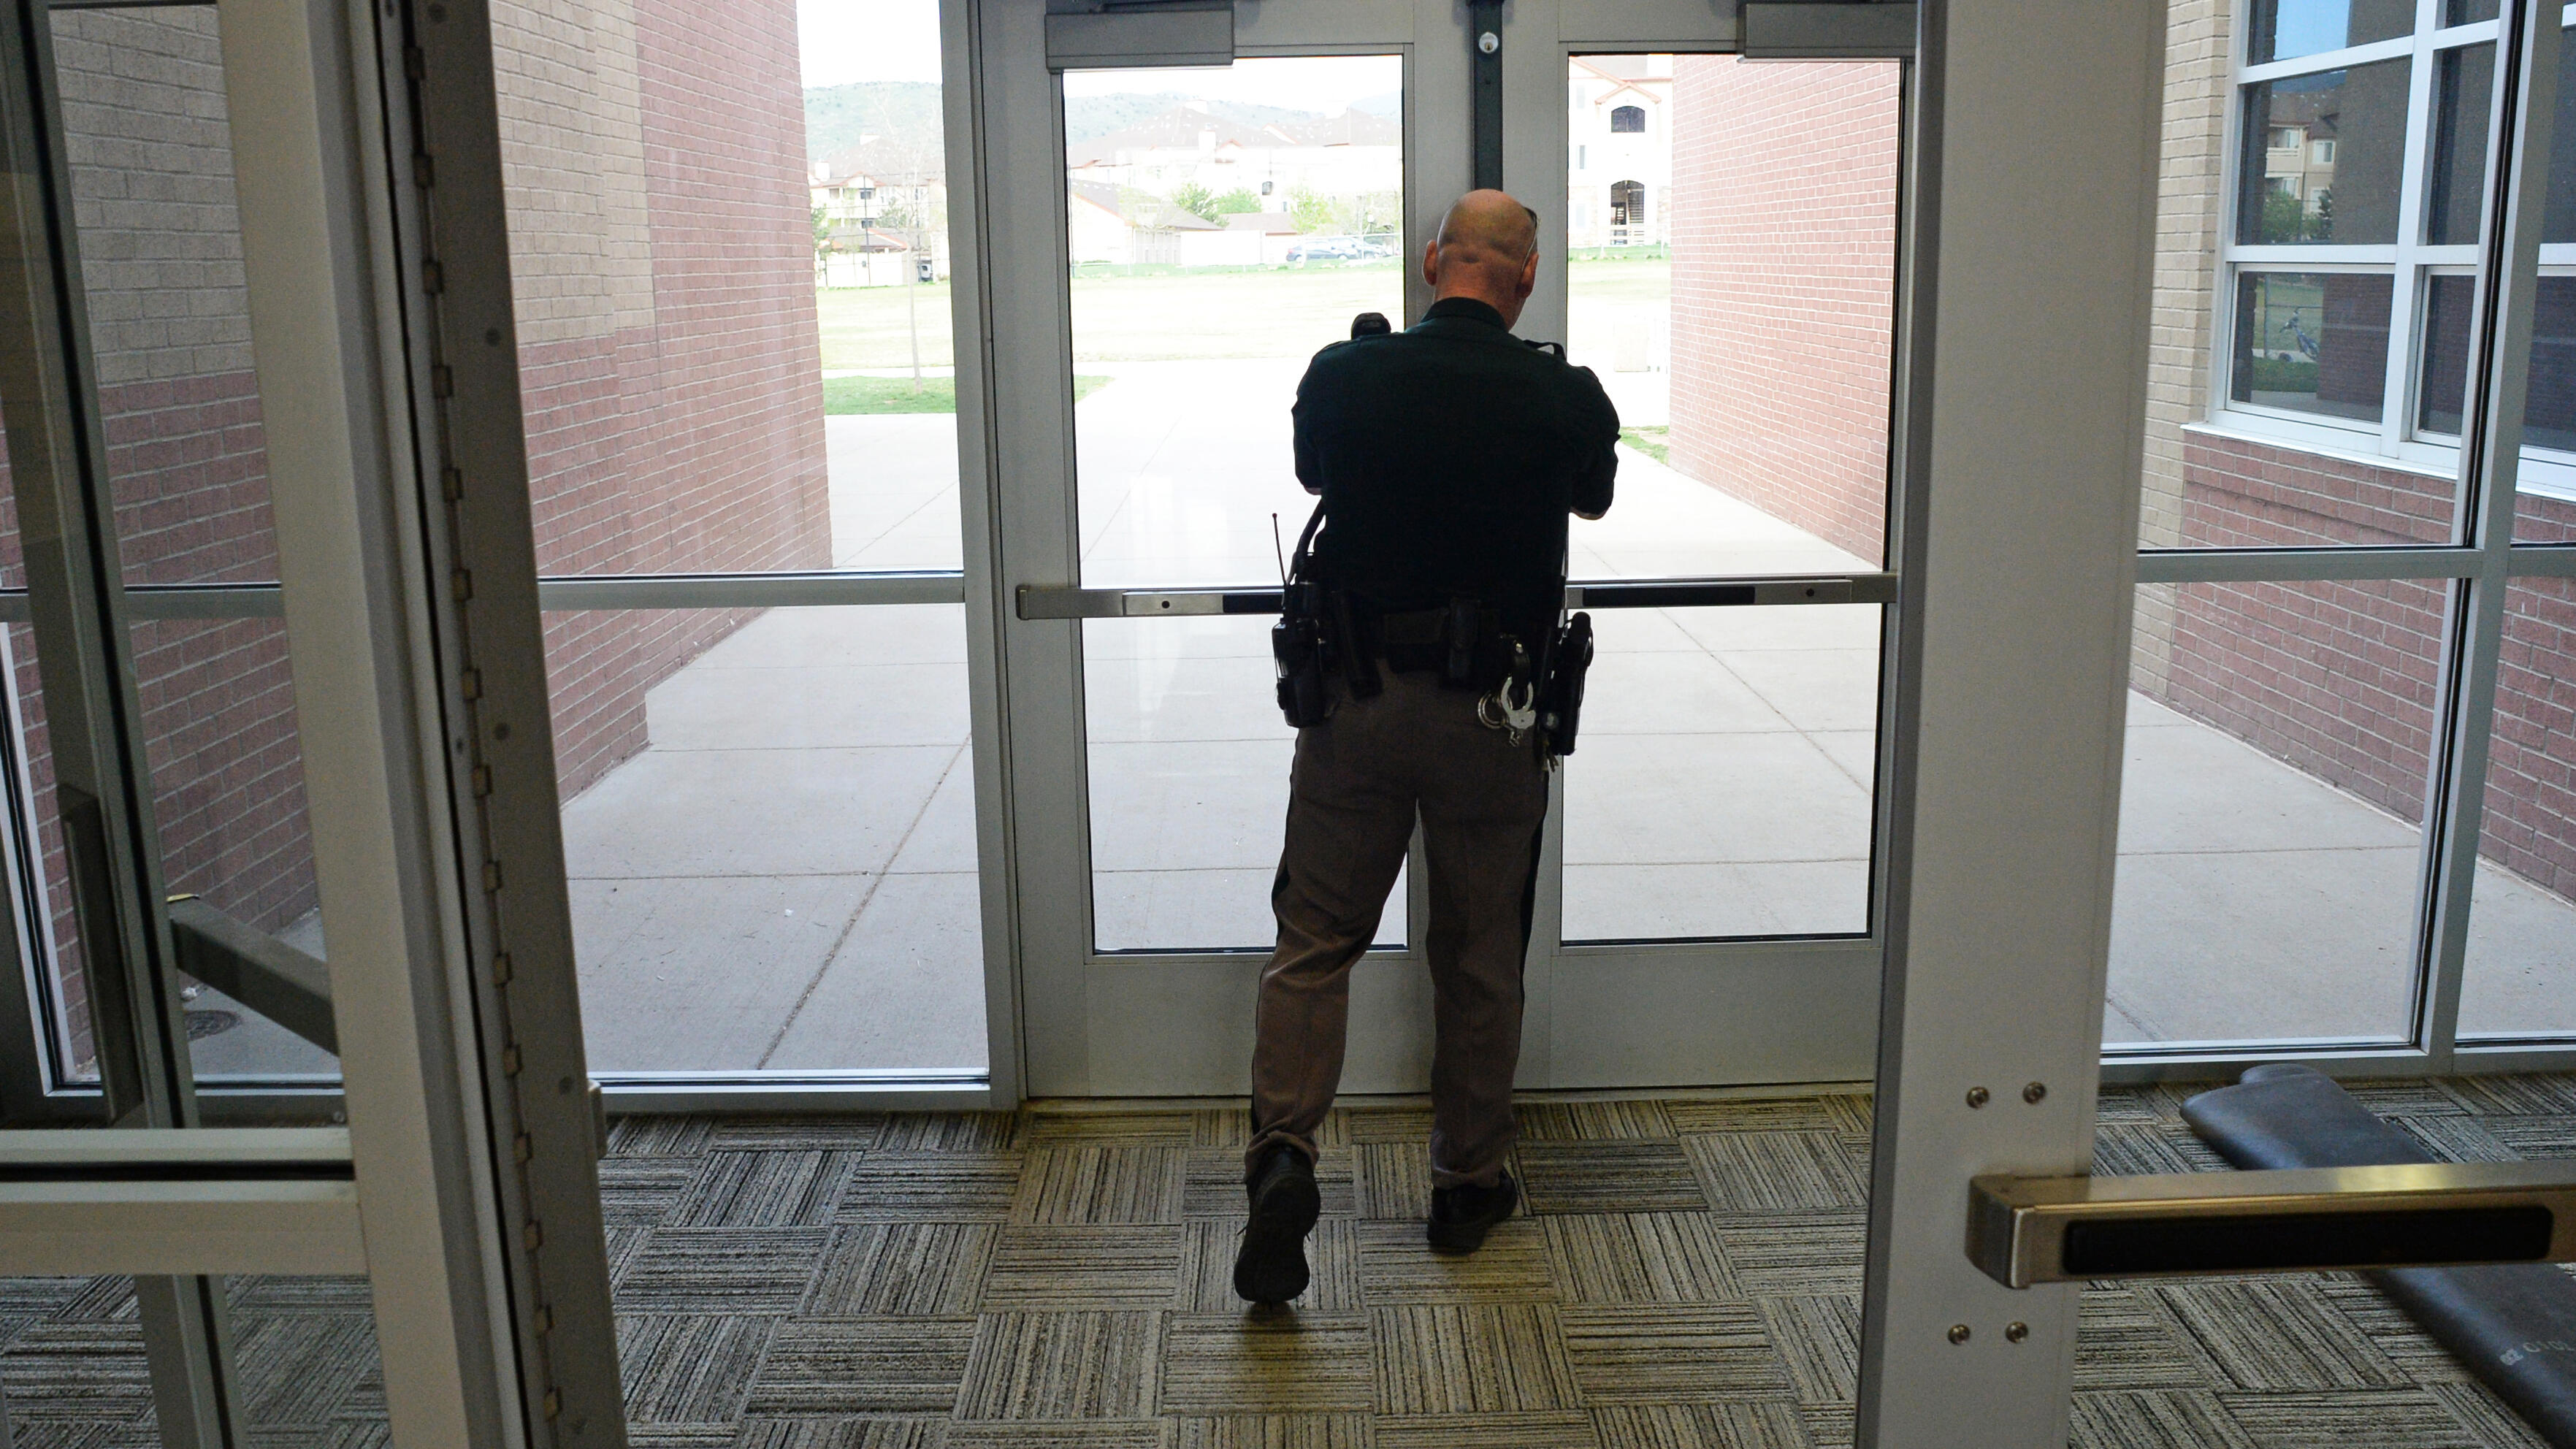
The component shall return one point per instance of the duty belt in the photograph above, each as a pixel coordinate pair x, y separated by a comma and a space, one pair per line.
1413, 642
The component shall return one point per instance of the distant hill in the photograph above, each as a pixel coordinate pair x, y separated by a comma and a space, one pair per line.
905, 113
904, 116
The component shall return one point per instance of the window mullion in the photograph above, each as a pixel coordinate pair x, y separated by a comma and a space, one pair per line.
2397, 405
2491, 453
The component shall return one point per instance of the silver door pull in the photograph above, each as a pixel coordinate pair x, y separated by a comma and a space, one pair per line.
2026, 1230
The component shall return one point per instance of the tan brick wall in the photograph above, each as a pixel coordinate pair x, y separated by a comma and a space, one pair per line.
2189, 213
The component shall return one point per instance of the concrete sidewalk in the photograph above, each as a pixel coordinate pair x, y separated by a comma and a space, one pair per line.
785, 878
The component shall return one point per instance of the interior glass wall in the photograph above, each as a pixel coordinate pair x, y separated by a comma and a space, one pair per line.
729, 257
1731, 273
2272, 814
149, 153
2311, 372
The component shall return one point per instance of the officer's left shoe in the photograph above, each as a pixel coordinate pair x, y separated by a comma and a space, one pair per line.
1271, 1267
1461, 1216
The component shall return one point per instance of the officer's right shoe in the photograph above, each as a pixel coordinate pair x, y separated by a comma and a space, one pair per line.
1461, 1216
1271, 1268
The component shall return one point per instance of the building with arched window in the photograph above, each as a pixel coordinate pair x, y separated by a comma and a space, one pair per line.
1619, 154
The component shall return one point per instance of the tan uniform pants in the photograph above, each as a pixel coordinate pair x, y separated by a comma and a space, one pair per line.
1361, 778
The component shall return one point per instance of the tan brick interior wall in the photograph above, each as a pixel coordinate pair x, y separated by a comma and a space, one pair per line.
1784, 264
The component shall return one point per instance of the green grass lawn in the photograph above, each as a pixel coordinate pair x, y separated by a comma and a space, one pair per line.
1288, 312
843, 395
1655, 443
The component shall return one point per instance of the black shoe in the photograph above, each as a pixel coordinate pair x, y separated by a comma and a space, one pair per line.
1285, 1203
1461, 1216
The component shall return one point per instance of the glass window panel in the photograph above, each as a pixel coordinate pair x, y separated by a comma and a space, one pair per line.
729, 257
39, 897
2442, 386
2283, 29
2521, 974
1189, 786
2322, 157
2466, 12
1223, 226
2549, 404
2271, 816
228, 803
1724, 781
769, 834
150, 155
1742, 325
2312, 342
304, 1354
2463, 93
2558, 215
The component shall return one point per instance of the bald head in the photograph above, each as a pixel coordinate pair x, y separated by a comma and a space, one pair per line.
1488, 250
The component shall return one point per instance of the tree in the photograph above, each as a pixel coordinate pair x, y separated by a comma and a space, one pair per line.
822, 231
1195, 199
1234, 203
1309, 211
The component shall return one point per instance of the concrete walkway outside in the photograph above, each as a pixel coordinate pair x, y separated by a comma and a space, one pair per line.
785, 879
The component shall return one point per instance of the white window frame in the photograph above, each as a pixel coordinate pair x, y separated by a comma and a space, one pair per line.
2395, 441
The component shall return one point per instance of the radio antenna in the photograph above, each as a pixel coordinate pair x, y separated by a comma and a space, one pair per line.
1278, 551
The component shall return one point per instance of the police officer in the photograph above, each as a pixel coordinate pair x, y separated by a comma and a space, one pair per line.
1448, 457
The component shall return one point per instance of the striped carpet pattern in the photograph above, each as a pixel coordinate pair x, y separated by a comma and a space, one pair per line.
1686, 1275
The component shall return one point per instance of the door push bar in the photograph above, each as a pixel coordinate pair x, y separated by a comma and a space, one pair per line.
1039, 601
2026, 1230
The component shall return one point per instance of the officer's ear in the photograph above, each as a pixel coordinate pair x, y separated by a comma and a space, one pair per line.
1431, 263
1529, 275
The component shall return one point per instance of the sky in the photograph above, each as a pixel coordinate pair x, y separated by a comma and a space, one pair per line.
898, 40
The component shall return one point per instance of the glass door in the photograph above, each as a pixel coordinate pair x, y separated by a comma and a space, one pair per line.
1221, 223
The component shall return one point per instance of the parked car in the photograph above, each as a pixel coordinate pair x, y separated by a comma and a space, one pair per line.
1326, 249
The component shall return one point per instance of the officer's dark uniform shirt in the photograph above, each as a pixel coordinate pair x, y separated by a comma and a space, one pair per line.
1448, 456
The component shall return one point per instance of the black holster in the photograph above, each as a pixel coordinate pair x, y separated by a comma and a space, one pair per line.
1560, 699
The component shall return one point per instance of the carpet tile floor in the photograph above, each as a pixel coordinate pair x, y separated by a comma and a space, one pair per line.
1686, 1275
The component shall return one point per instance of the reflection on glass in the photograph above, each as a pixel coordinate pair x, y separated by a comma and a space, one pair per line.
304, 1349
2549, 411
1189, 786
2521, 976
1724, 779
40, 899
2558, 216
2549, 404
1731, 280
151, 163
2464, 86
729, 257
2322, 156
2285, 29
775, 866
2271, 818
2465, 12
2312, 342
228, 804
1223, 226
2442, 386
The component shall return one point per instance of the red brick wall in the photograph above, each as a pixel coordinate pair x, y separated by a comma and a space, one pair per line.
1784, 259
690, 440
2339, 679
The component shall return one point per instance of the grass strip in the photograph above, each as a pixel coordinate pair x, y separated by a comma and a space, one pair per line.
870, 395
1655, 443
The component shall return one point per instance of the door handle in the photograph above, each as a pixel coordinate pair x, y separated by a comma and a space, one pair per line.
1045, 601
2026, 1230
